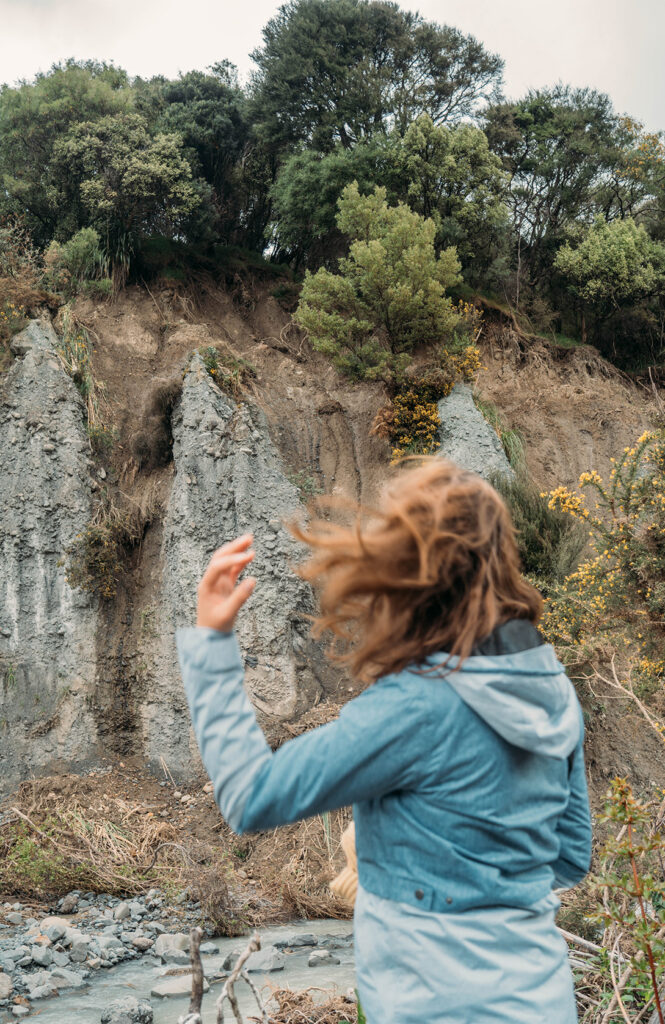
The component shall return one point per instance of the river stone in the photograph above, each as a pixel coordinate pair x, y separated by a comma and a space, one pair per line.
166, 941
20, 1011
108, 943
5, 986
305, 939
54, 927
208, 948
181, 985
142, 943
69, 903
175, 956
321, 957
467, 439
269, 959
42, 955
42, 992
62, 978
122, 912
128, 1011
14, 917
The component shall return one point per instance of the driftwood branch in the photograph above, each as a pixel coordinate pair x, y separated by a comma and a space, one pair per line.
193, 1015
228, 992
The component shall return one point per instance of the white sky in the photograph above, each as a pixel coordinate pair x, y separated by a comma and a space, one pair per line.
615, 46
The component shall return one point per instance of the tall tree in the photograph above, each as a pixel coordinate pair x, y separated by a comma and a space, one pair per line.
556, 145
128, 183
337, 71
208, 112
449, 174
33, 117
303, 226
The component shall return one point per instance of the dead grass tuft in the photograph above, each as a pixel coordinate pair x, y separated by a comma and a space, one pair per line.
301, 1008
298, 862
52, 841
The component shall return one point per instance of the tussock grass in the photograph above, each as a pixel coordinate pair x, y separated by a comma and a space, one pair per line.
301, 1008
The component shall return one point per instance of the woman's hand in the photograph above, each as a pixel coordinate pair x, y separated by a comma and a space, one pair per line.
220, 595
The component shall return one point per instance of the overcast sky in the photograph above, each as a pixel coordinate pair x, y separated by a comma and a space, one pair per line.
615, 46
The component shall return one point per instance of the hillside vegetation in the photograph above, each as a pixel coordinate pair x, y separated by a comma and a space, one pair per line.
363, 225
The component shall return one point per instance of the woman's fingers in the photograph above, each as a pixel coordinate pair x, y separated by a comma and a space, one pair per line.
229, 565
237, 599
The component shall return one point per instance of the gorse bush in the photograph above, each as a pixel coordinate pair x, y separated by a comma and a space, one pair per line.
550, 542
620, 589
623, 980
411, 422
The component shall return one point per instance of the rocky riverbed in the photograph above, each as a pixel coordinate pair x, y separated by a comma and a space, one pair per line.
101, 959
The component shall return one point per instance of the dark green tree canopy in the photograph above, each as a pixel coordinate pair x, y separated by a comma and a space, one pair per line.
126, 183
33, 117
337, 71
556, 146
207, 110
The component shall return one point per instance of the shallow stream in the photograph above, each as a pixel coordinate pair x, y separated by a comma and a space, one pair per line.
85, 1006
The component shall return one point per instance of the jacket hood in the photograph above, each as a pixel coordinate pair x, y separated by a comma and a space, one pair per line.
525, 697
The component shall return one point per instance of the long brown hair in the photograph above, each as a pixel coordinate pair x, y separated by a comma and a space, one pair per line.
434, 568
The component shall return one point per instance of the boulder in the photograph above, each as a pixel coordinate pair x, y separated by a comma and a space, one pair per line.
5, 986
42, 955
128, 1011
177, 941
467, 438
268, 959
62, 978
54, 927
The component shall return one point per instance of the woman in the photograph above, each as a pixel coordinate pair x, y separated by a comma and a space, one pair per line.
463, 759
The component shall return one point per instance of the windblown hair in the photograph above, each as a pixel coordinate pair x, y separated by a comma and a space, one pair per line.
435, 568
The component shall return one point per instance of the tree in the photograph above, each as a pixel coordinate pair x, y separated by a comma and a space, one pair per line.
337, 71
208, 112
446, 173
306, 193
450, 175
556, 145
389, 294
128, 183
614, 265
33, 117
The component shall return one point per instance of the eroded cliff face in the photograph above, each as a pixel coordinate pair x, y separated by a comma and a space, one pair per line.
82, 678
229, 480
47, 630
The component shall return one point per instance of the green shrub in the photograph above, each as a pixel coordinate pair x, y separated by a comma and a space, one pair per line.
306, 483
102, 438
78, 265
512, 440
229, 372
389, 294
